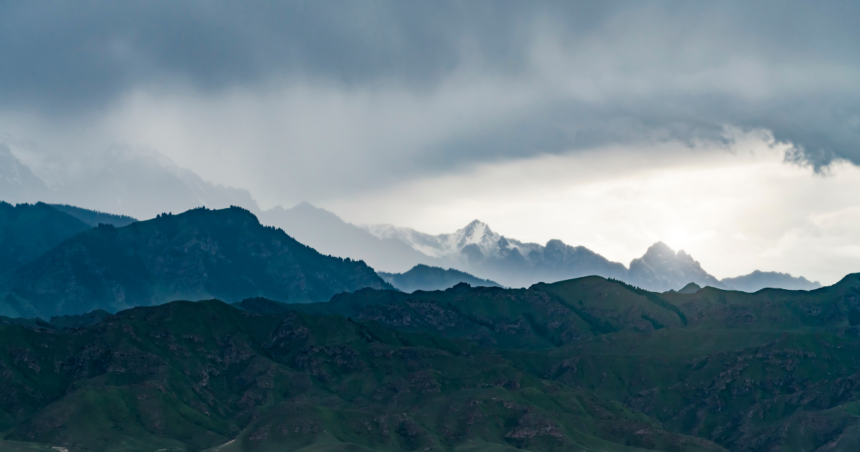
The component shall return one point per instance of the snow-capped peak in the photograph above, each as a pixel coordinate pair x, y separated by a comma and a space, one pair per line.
449, 245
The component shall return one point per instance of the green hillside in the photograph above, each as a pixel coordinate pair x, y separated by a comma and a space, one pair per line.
586, 364
225, 254
194, 376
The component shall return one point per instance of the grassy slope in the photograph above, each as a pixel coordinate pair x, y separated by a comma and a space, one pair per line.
197, 375
586, 364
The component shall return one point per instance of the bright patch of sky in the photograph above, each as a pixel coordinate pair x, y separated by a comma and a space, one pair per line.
735, 209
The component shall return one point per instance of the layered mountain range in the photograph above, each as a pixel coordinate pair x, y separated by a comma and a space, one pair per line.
146, 182
479, 251
199, 254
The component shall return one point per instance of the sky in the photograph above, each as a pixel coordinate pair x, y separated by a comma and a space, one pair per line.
728, 129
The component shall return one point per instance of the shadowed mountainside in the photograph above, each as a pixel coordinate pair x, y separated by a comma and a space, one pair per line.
28, 230
94, 217
195, 255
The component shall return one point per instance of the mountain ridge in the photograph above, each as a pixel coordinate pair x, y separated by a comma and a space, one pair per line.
198, 254
424, 277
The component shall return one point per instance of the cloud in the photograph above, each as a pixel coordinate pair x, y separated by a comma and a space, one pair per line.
308, 100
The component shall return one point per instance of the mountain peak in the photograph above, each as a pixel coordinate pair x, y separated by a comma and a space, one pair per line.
659, 249
476, 224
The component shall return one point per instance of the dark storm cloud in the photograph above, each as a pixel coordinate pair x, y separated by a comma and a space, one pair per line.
86, 52
607, 72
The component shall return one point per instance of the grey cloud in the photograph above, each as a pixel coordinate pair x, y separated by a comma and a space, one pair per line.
603, 72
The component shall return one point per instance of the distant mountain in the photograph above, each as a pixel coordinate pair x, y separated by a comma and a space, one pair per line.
28, 230
481, 252
423, 277
661, 269
486, 254
18, 184
328, 234
225, 254
690, 288
138, 183
758, 280
94, 217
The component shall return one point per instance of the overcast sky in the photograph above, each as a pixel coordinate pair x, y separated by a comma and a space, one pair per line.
729, 129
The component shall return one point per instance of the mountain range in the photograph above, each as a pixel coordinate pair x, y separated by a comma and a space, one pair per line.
581, 365
479, 251
423, 277
146, 183
195, 255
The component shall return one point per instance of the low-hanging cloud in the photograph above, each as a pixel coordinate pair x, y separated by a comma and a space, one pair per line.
307, 99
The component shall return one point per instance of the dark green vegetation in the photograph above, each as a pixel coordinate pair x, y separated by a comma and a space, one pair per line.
28, 230
58, 323
192, 376
585, 364
225, 254
423, 277
94, 217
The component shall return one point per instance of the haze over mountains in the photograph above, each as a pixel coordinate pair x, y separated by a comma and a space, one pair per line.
117, 180
136, 183
478, 250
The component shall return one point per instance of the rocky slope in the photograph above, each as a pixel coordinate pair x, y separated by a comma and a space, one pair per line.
199, 254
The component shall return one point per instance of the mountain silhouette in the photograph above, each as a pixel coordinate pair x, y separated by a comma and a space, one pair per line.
199, 254
423, 277
28, 230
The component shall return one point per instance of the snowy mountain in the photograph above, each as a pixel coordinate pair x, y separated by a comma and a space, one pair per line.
486, 254
475, 237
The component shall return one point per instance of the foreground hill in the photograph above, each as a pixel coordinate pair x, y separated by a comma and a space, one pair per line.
204, 376
423, 277
199, 254
585, 364
28, 230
